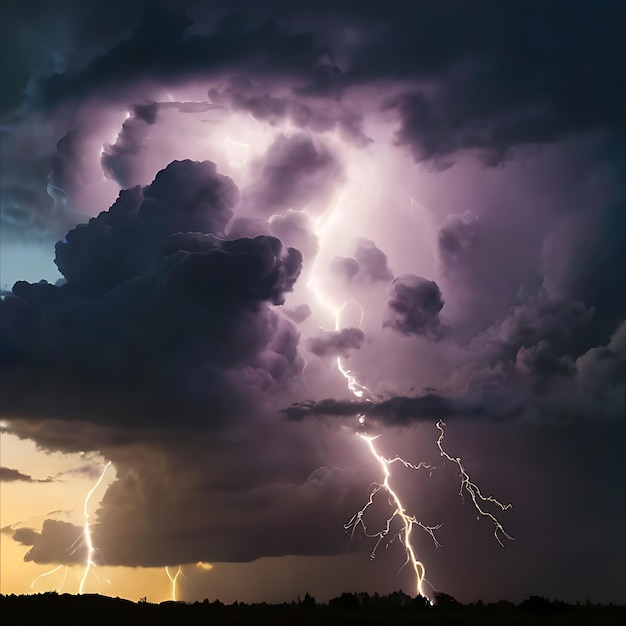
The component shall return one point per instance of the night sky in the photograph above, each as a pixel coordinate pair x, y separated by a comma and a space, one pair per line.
212, 209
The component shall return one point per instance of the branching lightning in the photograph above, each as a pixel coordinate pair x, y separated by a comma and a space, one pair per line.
89, 563
48, 573
408, 521
174, 579
474, 491
360, 391
85, 538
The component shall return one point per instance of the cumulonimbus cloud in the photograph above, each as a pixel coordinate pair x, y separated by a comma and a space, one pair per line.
164, 348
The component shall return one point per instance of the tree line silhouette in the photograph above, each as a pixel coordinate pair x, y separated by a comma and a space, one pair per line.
347, 608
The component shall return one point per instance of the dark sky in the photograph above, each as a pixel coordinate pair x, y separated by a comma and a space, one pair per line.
213, 180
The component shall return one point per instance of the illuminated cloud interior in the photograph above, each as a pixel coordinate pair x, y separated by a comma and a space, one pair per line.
241, 207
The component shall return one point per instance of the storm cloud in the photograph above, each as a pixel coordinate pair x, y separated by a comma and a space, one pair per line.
336, 343
442, 179
8, 474
413, 307
139, 291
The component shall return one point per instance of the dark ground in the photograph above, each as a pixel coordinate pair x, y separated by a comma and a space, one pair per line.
349, 609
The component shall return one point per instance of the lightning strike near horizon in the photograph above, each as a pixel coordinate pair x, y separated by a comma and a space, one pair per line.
174, 579
87, 530
48, 573
360, 391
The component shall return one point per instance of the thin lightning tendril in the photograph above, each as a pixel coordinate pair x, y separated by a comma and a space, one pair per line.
407, 521
89, 563
52, 571
474, 491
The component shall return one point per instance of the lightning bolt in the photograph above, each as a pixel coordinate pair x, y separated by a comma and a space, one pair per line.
86, 538
89, 563
174, 579
473, 490
408, 522
48, 573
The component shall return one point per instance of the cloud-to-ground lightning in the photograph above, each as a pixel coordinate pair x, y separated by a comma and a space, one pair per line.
360, 391
85, 538
89, 562
48, 573
408, 521
174, 579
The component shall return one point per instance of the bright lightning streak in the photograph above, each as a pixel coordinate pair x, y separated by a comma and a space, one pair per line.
174, 579
407, 521
87, 530
360, 391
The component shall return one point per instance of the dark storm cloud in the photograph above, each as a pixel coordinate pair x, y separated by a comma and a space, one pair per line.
537, 319
24, 536
225, 522
413, 307
541, 365
599, 387
119, 159
36, 177
504, 76
537, 382
581, 260
159, 331
159, 50
41, 38
455, 237
68, 174
119, 244
243, 95
87, 58
58, 542
296, 172
336, 342
495, 77
540, 361
8, 475
404, 411
146, 313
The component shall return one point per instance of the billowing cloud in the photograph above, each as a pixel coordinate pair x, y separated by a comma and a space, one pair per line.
336, 342
413, 307
246, 148
299, 313
456, 235
119, 243
295, 229
372, 260
193, 305
367, 264
243, 95
119, 158
297, 172
58, 542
